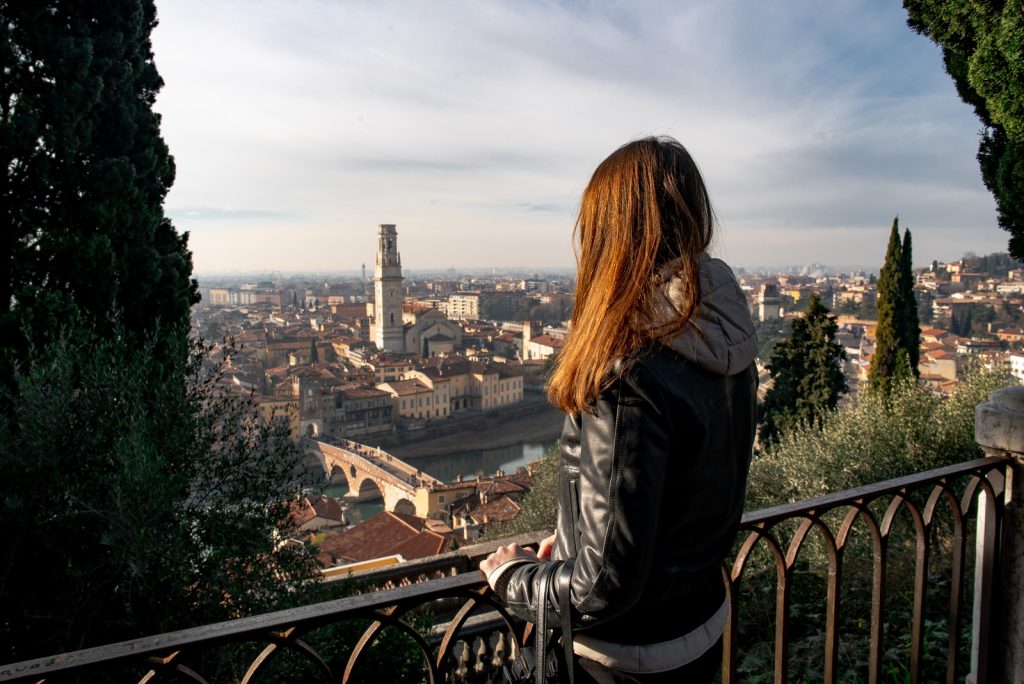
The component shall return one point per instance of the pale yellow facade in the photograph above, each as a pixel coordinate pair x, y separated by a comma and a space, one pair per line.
440, 392
432, 503
495, 391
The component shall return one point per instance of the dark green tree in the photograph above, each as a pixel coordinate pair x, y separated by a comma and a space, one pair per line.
807, 374
131, 508
911, 333
314, 355
890, 330
961, 325
136, 495
981, 49
82, 230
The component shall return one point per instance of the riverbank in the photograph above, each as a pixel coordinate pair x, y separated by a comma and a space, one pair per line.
536, 422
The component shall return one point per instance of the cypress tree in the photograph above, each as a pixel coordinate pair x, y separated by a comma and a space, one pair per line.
82, 230
890, 331
911, 338
806, 372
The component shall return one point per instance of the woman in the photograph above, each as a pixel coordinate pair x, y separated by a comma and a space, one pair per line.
658, 384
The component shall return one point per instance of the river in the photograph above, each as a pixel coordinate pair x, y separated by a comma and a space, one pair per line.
447, 467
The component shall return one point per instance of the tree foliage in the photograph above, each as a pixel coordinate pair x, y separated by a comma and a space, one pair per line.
898, 334
873, 438
981, 49
807, 373
911, 322
883, 360
995, 265
769, 333
133, 507
135, 496
82, 230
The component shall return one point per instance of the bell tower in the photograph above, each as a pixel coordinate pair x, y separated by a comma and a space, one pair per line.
388, 332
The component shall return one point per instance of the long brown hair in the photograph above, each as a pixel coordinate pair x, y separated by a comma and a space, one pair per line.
645, 210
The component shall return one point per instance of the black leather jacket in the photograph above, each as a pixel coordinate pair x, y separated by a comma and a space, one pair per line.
651, 491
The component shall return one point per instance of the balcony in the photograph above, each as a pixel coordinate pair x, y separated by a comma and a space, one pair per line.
896, 580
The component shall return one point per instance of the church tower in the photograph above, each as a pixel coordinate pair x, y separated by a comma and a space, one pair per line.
388, 332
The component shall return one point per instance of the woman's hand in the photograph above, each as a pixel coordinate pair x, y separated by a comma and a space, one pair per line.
503, 555
547, 545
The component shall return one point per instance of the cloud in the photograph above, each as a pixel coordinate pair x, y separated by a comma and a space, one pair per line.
479, 122
223, 214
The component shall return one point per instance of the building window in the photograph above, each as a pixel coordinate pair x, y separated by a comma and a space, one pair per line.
440, 499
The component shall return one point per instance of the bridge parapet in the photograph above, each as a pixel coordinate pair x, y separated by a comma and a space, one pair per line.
391, 464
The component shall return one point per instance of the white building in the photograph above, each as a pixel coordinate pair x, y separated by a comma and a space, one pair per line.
1017, 366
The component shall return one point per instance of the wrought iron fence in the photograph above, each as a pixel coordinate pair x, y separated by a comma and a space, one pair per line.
459, 632
940, 510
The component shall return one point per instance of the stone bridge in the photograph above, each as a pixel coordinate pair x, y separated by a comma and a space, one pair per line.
372, 474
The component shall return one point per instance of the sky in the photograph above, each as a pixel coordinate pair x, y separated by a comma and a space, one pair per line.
298, 126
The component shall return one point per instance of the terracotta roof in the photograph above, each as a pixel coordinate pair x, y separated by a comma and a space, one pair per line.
328, 507
449, 486
501, 509
362, 392
307, 508
426, 543
300, 512
445, 365
518, 483
548, 341
384, 534
277, 371
404, 387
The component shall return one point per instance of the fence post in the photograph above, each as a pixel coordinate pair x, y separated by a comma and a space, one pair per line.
999, 429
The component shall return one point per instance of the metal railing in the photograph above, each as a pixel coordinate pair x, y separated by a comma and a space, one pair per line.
941, 511
966, 492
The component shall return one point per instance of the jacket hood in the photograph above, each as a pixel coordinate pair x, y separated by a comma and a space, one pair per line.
720, 336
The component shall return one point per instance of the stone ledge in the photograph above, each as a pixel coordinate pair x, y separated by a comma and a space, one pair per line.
999, 422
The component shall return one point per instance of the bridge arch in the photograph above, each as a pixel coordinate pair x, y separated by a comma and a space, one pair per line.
405, 507
337, 475
365, 489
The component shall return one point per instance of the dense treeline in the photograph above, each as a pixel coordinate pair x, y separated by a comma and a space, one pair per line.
995, 265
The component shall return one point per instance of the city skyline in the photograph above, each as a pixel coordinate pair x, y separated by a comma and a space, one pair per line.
297, 128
